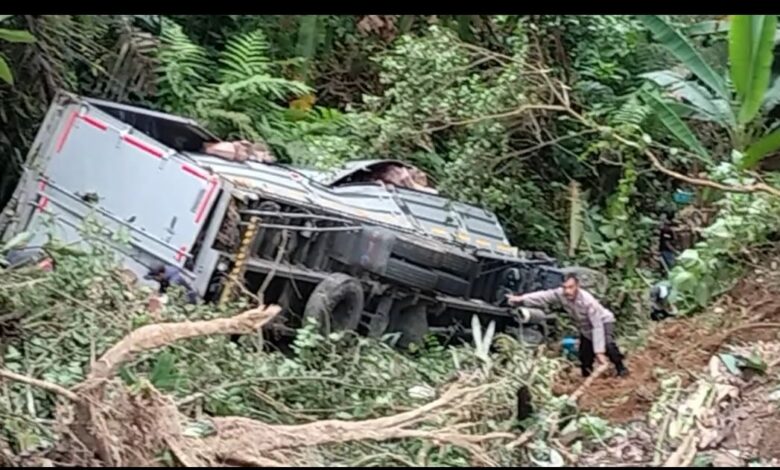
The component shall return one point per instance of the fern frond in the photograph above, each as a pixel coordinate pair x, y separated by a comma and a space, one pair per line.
184, 65
245, 55
265, 86
178, 48
632, 113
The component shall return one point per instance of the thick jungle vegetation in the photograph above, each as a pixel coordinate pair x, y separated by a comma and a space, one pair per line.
580, 132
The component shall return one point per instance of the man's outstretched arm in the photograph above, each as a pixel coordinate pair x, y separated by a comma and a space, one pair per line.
538, 299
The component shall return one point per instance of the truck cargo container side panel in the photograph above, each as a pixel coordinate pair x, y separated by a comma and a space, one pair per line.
64, 223
455, 222
368, 202
37, 159
134, 180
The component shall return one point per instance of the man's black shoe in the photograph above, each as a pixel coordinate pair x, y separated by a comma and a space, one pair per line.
622, 372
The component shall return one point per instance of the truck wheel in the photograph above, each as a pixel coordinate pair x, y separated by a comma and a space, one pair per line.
336, 303
412, 323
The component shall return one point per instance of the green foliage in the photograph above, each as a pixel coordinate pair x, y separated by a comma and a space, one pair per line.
684, 51
672, 121
744, 221
751, 43
11, 35
238, 99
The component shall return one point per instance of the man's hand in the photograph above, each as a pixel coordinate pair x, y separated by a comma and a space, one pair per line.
514, 299
602, 358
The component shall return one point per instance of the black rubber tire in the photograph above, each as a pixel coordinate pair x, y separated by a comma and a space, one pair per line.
410, 275
435, 257
412, 323
338, 300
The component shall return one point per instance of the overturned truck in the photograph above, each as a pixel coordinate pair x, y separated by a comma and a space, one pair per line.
344, 247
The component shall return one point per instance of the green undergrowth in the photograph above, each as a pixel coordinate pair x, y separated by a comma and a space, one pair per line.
55, 324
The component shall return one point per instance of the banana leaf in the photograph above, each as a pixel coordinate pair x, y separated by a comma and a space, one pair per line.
674, 123
751, 43
684, 51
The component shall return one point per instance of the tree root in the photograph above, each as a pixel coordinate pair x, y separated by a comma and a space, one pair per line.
94, 420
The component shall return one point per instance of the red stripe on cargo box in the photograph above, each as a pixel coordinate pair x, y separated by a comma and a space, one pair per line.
146, 148
44, 202
66, 131
42, 185
205, 202
94, 122
180, 254
194, 172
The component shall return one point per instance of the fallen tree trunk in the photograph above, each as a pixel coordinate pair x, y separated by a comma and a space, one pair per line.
162, 334
131, 428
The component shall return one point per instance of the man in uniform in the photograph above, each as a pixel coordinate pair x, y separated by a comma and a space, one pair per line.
171, 275
595, 322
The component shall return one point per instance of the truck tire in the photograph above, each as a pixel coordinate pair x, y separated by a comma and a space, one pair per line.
410, 275
336, 303
435, 257
412, 323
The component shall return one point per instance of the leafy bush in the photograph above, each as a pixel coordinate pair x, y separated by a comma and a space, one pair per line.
744, 221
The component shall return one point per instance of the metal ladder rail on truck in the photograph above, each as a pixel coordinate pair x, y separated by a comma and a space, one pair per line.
355, 255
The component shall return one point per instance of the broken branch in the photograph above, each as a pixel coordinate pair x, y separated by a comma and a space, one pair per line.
162, 334
753, 188
39, 383
574, 397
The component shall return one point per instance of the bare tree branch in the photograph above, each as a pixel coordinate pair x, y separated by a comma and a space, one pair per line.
39, 383
162, 334
753, 188
520, 110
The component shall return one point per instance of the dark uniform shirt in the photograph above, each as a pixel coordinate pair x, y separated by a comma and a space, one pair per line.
172, 276
666, 242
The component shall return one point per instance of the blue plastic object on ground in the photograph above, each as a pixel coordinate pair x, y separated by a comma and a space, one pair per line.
682, 197
569, 344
